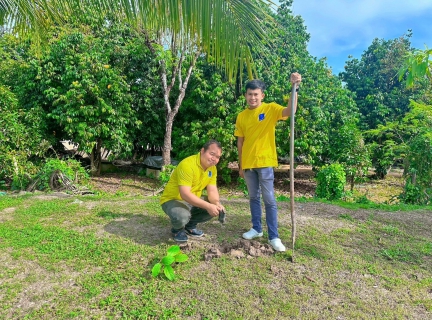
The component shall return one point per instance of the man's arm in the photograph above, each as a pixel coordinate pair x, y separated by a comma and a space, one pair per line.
213, 196
189, 197
240, 141
287, 111
295, 80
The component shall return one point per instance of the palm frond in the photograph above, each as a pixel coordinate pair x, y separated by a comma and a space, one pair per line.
222, 29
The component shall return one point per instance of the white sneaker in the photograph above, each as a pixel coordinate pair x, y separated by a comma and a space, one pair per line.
252, 233
277, 244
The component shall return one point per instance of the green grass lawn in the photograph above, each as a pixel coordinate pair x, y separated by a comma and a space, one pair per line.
91, 258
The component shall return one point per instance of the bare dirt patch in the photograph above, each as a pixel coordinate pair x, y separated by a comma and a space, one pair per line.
128, 183
240, 249
6, 214
38, 284
379, 191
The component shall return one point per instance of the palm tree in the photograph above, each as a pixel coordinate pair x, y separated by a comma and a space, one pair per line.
177, 32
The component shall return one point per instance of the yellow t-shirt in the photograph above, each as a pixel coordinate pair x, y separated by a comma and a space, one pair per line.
257, 127
189, 173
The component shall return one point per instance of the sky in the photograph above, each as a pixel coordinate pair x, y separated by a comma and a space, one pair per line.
339, 28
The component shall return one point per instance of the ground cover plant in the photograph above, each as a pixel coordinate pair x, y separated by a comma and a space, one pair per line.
83, 257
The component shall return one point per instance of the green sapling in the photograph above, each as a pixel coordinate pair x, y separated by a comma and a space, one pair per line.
174, 254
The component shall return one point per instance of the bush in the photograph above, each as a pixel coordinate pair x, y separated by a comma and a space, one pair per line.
331, 181
418, 171
15, 168
71, 168
165, 174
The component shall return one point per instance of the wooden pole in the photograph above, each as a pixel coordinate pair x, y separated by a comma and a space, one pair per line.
293, 222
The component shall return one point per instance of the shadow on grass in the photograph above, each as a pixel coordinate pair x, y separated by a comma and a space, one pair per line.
141, 229
156, 230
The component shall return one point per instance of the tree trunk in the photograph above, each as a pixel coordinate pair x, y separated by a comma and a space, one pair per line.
166, 149
177, 61
96, 158
171, 113
99, 156
92, 162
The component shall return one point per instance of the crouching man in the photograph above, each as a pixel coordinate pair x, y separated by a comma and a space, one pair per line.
181, 199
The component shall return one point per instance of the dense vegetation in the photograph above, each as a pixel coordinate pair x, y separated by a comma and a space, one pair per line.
107, 83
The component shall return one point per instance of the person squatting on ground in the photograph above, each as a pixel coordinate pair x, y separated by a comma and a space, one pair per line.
255, 132
181, 199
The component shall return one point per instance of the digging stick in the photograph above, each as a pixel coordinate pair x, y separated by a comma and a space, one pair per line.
293, 100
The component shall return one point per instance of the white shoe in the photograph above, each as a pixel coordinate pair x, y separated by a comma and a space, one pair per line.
277, 244
252, 233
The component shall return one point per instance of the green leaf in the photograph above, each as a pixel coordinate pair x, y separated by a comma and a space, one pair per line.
173, 250
169, 272
156, 269
167, 260
181, 257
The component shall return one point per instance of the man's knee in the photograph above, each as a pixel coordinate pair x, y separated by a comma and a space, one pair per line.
180, 216
178, 212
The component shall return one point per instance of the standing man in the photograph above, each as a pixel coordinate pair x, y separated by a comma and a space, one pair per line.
255, 132
181, 199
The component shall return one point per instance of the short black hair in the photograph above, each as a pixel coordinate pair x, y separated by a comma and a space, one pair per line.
210, 142
255, 84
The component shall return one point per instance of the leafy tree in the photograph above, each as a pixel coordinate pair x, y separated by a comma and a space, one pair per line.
126, 50
379, 95
326, 120
19, 142
418, 66
381, 98
86, 96
327, 116
410, 140
209, 112
414, 131
176, 35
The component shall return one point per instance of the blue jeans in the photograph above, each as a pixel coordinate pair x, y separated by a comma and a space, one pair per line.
261, 180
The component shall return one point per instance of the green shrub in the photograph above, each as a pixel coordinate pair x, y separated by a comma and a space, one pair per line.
411, 194
242, 186
418, 171
70, 168
331, 181
17, 169
165, 173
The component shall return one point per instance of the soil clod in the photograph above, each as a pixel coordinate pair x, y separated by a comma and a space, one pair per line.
240, 249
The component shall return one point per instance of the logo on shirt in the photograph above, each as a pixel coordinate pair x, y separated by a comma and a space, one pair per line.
261, 116
210, 174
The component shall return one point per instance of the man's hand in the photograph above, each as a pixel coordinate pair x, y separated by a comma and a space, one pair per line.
295, 78
241, 173
213, 209
220, 207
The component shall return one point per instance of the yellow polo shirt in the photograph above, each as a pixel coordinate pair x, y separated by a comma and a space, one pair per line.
257, 127
189, 173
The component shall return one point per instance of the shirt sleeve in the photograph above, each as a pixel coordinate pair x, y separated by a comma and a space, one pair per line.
279, 109
238, 132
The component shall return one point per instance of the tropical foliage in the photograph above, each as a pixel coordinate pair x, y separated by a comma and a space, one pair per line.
98, 73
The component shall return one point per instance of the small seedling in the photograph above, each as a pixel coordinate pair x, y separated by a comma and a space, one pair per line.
174, 254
